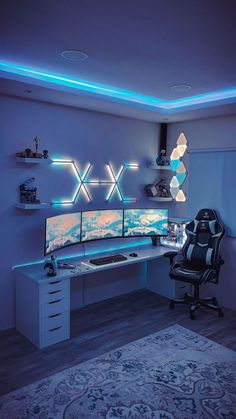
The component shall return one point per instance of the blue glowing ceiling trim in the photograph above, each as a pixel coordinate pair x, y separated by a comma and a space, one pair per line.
225, 95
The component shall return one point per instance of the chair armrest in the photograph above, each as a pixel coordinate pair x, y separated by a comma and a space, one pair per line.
218, 262
171, 255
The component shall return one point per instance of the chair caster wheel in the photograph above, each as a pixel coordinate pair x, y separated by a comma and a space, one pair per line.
172, 304
221, 314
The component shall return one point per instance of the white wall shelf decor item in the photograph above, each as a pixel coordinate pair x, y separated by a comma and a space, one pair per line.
167, 168
29, 160
33, 206
160, 199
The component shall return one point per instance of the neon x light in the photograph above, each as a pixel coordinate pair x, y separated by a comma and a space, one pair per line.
166, 106
115, 178
80, 179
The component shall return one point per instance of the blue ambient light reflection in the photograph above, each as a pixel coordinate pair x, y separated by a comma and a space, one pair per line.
139, 243
225, 95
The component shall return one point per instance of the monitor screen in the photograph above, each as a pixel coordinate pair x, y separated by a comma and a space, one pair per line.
145, 222
101, 224
62, 230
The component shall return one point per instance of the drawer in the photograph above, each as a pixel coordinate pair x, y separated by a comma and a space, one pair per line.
54, 295
54, 335
55, 307
53, 285
55, 320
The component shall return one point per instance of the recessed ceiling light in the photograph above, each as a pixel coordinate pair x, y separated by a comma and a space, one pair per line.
73, 55
181, 87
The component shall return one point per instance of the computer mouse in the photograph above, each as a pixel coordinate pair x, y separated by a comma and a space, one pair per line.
133, 255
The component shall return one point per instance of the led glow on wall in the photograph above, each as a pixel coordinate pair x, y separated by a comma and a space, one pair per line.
79, 178
115, 178
27, 74
180, 169
83, 183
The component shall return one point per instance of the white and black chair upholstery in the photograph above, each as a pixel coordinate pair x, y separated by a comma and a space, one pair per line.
199, 261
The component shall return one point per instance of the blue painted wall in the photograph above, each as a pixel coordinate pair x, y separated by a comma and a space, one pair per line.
67, 133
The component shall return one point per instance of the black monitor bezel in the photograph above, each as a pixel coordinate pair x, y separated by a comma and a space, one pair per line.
102, 238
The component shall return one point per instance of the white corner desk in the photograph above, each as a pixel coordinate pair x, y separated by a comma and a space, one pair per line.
43, 303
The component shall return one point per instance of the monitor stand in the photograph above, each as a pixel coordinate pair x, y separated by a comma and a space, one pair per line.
154, 240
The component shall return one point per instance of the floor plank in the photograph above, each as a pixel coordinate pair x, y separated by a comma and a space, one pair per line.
101, 327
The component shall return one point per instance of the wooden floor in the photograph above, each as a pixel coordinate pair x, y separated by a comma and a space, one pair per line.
100, 327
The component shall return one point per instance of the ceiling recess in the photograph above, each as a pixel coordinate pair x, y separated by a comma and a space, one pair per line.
74, 55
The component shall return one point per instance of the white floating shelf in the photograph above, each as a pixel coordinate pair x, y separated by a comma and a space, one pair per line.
160, 199
29, 160
25, 206
160, 167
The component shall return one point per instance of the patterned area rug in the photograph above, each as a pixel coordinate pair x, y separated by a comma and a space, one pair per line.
172, 374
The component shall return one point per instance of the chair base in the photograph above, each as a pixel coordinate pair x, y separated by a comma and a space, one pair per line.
195, 303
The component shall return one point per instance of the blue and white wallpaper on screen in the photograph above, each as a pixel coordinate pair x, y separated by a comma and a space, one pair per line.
101, 224
62, 230
145, 222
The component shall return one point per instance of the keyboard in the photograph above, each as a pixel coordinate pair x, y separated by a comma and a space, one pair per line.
108, 259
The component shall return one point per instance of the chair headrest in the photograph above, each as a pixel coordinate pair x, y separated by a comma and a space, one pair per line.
206, 214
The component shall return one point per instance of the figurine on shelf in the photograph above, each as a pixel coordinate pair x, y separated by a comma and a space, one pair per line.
51, 265
36, 140
28, 192
162, 160
45, 154
162, 188
28, 153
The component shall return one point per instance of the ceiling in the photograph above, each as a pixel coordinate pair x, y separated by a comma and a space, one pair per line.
138, 48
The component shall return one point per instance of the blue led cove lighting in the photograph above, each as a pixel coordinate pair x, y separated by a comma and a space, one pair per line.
227, 95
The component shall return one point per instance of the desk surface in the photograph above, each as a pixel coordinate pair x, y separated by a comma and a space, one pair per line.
37, 274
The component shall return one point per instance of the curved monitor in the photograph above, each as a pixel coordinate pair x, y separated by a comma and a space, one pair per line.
101, 224
62, 230
145, 222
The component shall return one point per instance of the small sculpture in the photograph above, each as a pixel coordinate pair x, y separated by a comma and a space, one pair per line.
36, 140
51, 265
28, 153
162, 160
28, 192
162, 188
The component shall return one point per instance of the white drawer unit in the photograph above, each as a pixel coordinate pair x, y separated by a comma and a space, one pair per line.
43, 309
54, 307
54, 285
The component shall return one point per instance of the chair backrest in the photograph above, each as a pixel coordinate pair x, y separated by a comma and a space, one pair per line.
203, 238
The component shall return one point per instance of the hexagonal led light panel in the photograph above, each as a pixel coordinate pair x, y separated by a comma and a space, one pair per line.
80, 179
82, 183
178, 166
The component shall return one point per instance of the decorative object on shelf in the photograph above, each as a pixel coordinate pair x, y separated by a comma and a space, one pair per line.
162, 160
160, 189
45, 154
28, 192
180, 169
52, 266
30, 154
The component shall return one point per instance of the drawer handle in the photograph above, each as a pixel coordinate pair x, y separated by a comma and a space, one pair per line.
54, 292
53, 302
54, 282
55, 315
55, 328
